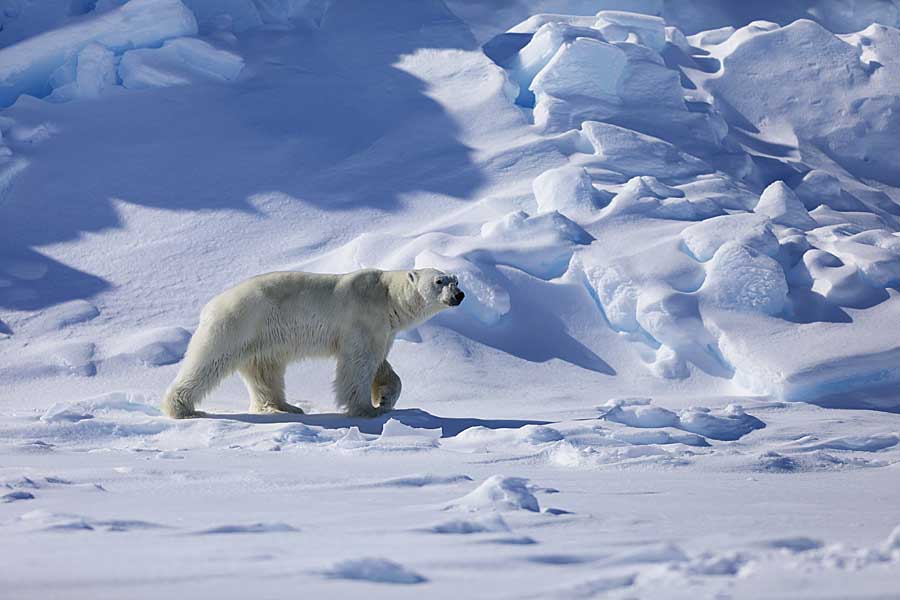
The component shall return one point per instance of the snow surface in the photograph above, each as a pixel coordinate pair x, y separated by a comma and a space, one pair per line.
675, 371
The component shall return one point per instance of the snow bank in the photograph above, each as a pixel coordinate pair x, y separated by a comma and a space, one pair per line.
807, 65
26, 67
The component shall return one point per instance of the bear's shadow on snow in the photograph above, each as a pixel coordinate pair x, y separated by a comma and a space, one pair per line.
321, 115
412, 417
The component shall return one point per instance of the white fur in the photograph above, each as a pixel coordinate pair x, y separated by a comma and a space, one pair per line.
264, 323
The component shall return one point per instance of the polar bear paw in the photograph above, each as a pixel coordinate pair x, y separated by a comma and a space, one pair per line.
269, 409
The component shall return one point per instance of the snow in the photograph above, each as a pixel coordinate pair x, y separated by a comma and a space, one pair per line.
676, 224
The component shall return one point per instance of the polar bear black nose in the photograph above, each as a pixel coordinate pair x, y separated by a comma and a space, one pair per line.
457, 298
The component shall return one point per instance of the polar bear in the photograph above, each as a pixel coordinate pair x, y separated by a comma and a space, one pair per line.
268, 321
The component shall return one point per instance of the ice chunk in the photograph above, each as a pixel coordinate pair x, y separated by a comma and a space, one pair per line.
94, 72
620, 26
740, 278
177, 62
25, 68
754, 231
583, 67
781, 204
540, 50
632, 153
565, 189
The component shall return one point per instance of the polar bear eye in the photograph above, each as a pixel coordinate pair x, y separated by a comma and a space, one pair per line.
440, 281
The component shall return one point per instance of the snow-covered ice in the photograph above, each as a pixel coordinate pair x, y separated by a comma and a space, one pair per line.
677, 224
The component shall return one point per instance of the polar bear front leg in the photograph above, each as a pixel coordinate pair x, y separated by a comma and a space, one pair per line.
264, 379
386, 387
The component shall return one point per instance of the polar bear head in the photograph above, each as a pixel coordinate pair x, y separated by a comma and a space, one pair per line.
438, 290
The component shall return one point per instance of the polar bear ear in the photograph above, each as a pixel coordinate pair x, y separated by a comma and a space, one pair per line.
413, 276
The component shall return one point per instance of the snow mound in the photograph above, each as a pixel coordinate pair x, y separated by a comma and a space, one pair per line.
499, 493
753, 231
567, 190
740, 278
782, 206
65, 315
377, 570
152, 347
728, 424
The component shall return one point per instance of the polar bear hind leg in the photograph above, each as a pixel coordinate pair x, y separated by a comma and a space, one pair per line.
353, 382
386, 387
194, 381
264, 379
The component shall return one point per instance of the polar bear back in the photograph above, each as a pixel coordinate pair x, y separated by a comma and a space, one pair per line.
297, 313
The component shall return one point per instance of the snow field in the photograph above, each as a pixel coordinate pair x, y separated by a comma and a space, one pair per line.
634, 206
